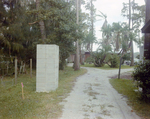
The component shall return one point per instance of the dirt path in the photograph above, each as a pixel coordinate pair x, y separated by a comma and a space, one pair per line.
93, 97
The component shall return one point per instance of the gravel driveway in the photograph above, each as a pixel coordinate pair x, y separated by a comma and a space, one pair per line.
93, 97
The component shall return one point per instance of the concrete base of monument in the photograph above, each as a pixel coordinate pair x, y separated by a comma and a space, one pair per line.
47, 68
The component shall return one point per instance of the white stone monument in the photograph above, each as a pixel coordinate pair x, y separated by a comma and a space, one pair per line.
47, 68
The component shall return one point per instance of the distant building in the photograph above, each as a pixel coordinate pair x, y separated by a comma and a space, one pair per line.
85, 55
146, 30
70, 59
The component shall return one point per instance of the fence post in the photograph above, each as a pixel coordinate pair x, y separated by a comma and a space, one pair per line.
15, 70
30, 68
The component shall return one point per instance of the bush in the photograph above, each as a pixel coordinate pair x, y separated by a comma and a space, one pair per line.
89, 60
141, 74
125, 57
99, 58
6, 66
112, 60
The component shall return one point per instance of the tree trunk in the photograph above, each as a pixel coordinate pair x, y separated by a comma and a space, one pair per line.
117, 42
122, 54
41, 23
81, 56
92, 23
132, 47
88, 47
129, 15
132, 54
120, 67
76, 61
42, 28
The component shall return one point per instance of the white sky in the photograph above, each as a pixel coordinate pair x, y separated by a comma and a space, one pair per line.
112, 8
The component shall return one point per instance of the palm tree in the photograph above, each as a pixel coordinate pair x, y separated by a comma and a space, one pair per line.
117, 32
101, 54
106, 29
89, 38
103, 16
107, 34
90, 6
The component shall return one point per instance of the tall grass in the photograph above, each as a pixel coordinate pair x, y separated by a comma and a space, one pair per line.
35, 105
127, 88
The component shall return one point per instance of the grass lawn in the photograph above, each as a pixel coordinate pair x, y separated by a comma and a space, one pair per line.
127, 87
106, 67
35, 105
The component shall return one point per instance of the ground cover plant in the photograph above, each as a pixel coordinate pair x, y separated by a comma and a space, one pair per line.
106, 67
127, 88
141, 74
35, 105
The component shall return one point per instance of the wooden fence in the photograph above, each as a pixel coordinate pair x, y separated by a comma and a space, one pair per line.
13, 68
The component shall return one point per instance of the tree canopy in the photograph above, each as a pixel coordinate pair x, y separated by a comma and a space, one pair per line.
24, 24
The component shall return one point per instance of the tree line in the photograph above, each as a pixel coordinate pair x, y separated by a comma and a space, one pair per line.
24, 24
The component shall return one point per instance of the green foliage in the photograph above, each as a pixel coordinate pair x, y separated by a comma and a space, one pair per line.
89, 38
138, 56
138, 16
20, 31
99, 58
89, 60
100, 55
127, 88
90, 7
6, 66
106, 67
106, 33
115, 35
112, 60
90, 21
17, 37
126, 57
60, 26
142, 75
35, 105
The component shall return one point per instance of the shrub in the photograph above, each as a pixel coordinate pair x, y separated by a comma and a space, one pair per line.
89, 60
141, 74
112, 60
6, 66
125, 57
99, 58
101, 54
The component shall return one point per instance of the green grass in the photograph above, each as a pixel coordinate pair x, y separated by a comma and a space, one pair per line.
127, 87
35, 105
106, 67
